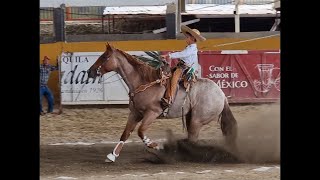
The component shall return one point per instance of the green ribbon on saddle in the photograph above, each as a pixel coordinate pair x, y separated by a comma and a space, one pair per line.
189, 73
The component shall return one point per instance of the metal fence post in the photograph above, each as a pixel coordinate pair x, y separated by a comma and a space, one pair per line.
59, 23
171, 21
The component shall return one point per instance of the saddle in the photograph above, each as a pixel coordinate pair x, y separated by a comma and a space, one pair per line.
188, 76
187, 79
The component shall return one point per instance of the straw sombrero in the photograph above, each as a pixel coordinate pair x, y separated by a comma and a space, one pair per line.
194, 32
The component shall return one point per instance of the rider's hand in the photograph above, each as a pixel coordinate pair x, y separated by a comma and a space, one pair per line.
164, 56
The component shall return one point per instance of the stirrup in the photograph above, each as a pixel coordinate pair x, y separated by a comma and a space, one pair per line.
165, 112
165, 102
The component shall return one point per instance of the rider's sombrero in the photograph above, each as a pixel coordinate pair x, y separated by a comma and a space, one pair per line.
194, 32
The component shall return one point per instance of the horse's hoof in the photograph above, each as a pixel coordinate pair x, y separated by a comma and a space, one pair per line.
151, 150
155, 146
160, 157
110, 158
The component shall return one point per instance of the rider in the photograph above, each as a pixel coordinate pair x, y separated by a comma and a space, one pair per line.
188, 58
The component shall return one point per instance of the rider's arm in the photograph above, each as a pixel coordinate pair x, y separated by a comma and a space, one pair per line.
185, 53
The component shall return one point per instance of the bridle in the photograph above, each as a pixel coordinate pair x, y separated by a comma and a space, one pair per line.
104, 60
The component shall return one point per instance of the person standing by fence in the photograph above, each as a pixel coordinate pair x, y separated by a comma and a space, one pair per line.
45, 71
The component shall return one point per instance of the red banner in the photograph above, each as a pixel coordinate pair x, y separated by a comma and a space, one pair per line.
244, 76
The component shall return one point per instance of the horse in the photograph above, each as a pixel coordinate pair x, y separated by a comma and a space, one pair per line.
205, 101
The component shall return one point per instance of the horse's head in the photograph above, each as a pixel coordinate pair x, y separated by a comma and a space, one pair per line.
105, 63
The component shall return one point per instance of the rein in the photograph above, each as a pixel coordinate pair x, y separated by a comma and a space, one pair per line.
143, 87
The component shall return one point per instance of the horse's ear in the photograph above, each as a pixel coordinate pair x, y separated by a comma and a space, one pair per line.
108, 47
112, 47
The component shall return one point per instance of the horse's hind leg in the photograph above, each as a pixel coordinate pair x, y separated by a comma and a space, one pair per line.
131, 124
193, 127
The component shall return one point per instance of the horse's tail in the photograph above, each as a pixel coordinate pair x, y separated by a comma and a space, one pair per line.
228, 124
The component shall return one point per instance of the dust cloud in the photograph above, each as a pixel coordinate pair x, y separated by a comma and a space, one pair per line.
258, 141
259, 136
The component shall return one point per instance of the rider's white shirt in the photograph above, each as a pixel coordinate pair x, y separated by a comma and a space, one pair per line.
189, 55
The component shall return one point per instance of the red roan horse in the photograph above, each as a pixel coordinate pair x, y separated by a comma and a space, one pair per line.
205, 101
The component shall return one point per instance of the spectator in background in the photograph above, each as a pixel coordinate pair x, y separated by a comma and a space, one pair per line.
45, 70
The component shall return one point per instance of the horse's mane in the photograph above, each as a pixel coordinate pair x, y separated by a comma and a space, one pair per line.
145, 71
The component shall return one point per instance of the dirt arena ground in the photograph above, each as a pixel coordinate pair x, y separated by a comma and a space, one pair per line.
74, 145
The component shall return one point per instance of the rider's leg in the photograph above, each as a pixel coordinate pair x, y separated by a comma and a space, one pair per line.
174, 83
166, 98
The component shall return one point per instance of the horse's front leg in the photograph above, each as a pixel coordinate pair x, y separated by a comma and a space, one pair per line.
147, 120
131, 124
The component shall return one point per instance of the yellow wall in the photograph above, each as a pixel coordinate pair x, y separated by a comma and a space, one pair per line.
55, 49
